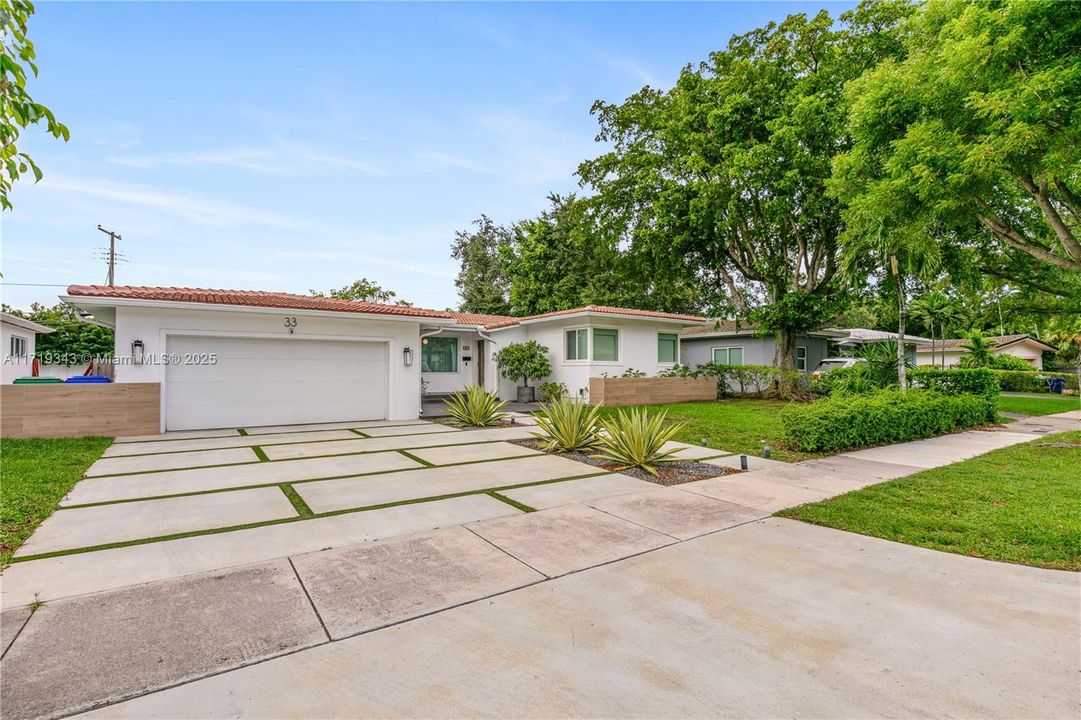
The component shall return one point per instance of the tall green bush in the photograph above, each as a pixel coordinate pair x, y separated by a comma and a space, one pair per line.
1031, 381
973, 381
849, 421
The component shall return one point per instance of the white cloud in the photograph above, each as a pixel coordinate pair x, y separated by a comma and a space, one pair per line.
347, 163
447, 159
627, 66
255, 159
191, 208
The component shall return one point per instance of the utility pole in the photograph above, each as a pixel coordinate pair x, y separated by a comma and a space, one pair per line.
113, 237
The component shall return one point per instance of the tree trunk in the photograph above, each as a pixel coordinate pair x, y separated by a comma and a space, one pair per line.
784, 357
932, 322
896, 271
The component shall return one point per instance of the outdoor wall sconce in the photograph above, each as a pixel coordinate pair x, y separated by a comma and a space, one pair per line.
137, 352
407, 356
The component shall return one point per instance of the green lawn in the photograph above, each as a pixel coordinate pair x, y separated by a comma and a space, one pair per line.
36, 475
1018, 505
742, 426
1038, 405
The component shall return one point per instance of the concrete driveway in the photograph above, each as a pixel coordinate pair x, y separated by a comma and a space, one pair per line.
196, 554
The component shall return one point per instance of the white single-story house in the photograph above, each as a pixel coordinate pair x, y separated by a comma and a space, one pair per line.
858, 337
728, 342
948, 353
18, 337
234, 358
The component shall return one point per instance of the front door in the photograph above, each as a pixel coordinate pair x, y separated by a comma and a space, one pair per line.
480, 362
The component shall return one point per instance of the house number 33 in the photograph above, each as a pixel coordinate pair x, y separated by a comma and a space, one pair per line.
290, 322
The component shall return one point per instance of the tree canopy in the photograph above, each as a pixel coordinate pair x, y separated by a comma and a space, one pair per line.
19, 110
482, 279
978, 124
363, 290
725, 175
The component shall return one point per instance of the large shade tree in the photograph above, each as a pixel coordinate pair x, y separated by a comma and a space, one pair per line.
977, 127
482, 278
728, 170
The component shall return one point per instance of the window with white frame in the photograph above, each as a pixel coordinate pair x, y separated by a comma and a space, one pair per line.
667, 348
18, 347
801, 357
728, 355
605, 345
576, 345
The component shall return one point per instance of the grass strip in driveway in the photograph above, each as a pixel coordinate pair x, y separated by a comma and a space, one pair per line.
1018, 504
331, 513
298, 502
37, 474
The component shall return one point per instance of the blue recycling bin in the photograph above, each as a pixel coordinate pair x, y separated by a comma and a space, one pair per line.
83, 379
1056, 385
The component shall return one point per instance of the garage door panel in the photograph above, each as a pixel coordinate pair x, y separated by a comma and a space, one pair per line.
268, 392
274, 381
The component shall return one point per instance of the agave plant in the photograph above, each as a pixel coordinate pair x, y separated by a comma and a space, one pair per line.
635, 440
476, 407
567, 425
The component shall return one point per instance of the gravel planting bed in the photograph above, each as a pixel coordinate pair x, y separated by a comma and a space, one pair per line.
668, 473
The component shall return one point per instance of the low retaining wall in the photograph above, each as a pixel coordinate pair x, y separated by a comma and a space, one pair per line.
71, 410
621, 392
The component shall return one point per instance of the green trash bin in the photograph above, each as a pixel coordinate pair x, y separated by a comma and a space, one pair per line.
37, 381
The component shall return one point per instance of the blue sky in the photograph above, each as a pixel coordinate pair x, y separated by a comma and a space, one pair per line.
294, 146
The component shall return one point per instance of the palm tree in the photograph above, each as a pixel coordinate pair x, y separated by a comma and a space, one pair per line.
929, 308
950, 316
979, 350
901, 256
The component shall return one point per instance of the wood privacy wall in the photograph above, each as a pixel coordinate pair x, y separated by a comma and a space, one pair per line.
70, 410
621, 392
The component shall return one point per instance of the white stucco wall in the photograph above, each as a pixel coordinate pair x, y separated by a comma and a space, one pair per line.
154, 325
637, 349
1026, 351
14, 367
445, 382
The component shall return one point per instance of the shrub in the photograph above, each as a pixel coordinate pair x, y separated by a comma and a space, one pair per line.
1009, 362
567, 425
634, 439
855, 380
633, 372
522, 362
973, 381
552, 391
476, 407
888, 416
1031, 381
678, 370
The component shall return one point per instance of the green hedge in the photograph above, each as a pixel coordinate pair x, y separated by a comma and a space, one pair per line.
974, 381
1032, 381
849, 421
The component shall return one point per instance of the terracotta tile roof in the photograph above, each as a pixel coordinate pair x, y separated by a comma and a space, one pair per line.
718, 327
484, 320
996, 342
250, 298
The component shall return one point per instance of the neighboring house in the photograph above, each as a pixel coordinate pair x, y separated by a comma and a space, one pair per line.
18, 337
858, 337
727, 342
950, 351
231, 358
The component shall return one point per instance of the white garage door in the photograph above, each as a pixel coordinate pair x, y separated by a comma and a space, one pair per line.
273, 382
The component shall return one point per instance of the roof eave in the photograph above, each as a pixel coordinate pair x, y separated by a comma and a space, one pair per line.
99, 301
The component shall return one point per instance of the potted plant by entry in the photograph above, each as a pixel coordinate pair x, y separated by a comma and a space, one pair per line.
522, 362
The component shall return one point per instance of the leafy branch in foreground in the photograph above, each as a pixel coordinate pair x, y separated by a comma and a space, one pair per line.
19, 109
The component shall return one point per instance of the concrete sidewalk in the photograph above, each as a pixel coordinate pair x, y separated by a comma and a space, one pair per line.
772, 619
